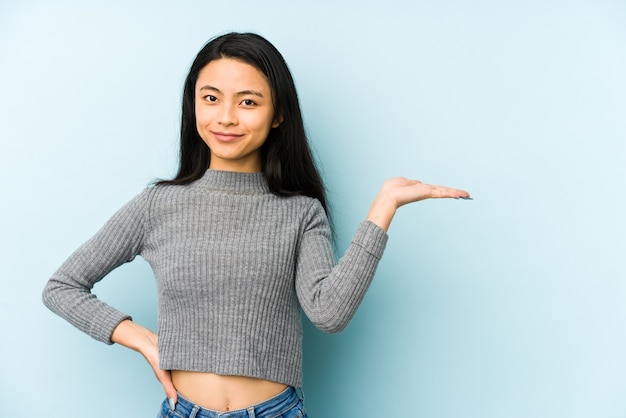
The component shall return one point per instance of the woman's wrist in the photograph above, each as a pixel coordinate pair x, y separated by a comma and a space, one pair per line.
382, 211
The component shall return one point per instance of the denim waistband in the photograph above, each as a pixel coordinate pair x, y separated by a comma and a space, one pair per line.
280, 403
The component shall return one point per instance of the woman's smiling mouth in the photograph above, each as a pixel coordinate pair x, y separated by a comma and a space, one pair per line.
225, 136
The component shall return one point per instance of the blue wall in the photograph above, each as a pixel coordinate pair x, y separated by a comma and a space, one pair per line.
510, 305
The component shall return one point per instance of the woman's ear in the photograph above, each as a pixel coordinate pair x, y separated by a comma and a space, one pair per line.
277, 121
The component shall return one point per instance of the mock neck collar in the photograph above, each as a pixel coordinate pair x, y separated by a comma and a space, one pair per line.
232, 181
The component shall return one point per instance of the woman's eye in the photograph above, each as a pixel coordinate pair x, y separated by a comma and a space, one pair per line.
210, 98
248, 102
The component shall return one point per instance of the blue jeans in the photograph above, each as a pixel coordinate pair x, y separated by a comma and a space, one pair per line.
286, 404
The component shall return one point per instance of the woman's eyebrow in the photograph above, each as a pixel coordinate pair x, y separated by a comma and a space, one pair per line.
247, 92
240, 93
211, 88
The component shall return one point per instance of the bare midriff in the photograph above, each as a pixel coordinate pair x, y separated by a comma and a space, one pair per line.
224, 393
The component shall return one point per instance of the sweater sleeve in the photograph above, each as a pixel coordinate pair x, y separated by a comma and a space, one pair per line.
68, 292
330, 292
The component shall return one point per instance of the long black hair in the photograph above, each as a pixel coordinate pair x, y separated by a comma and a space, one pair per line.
287, 161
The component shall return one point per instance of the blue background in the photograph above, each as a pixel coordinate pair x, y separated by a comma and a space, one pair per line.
511, 305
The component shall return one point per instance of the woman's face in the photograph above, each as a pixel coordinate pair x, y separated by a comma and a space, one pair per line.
234, 114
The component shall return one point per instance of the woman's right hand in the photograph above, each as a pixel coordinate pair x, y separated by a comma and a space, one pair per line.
145, 342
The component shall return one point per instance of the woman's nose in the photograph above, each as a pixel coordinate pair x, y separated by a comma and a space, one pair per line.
227, 115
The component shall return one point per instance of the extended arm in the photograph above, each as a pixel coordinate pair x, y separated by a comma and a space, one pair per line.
330, 294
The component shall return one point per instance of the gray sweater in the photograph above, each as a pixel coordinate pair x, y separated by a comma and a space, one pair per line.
233, 264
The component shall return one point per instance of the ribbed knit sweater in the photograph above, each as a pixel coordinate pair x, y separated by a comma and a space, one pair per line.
233, 264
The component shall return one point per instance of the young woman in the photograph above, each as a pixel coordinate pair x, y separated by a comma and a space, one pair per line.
239, 242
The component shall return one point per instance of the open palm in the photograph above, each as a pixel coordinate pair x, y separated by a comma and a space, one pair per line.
399, 191
403, 191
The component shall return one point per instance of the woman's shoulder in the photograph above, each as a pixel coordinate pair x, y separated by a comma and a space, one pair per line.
307, 203
310, 209
142, 203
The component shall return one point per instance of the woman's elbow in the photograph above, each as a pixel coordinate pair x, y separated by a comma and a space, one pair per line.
49, 295
330, 325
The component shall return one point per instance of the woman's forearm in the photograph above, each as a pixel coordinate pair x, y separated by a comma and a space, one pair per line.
134, 336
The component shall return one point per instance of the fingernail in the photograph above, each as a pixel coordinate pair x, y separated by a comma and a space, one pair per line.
172, 404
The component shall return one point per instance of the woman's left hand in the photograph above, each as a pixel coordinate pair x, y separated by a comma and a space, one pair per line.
399, 191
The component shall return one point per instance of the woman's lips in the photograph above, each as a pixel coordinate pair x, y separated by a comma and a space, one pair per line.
226, 136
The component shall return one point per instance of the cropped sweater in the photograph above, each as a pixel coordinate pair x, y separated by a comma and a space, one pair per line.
234, 264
